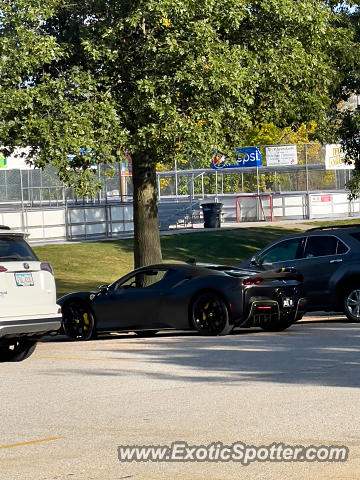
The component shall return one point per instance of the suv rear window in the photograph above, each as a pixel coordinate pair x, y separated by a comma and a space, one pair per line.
14, 248
324, 245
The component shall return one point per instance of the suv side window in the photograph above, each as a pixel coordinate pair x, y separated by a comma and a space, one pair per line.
286, 250
323, 245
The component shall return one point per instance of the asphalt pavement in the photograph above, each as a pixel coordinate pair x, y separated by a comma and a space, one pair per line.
66, 409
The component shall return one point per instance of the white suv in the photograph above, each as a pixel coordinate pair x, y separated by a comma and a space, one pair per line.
28, 306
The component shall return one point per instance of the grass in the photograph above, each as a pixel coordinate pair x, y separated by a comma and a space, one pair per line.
329, 223
85, 266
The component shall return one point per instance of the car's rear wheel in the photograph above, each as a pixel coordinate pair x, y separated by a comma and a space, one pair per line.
78, 321
210, 315
17, 350
352, 303
146, 333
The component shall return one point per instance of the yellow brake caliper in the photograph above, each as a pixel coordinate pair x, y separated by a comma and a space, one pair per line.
86, 320
204, 316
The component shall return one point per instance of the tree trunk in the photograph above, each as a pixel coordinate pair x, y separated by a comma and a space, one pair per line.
147, 248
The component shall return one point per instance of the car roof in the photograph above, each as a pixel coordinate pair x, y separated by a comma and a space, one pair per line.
339, 228
200, 268
174, 265
326, 230
6, 231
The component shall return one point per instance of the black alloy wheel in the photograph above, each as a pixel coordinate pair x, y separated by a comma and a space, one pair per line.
352, 304
78, 321
210, 315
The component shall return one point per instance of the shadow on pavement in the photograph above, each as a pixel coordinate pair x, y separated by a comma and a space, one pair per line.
309, 353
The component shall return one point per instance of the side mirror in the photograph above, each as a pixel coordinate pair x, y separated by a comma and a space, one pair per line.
104, 289
254, 261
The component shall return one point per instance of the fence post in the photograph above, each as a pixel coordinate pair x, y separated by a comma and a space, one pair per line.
176, 180
306, 169
22, 200
158, 185
108, 221
258, 194
6, 184
309, 206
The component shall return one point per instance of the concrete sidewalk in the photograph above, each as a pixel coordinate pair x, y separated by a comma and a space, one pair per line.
299, 224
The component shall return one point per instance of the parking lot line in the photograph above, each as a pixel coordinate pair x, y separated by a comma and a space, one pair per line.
32, 442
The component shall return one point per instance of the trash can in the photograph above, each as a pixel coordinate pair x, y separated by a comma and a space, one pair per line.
212, 214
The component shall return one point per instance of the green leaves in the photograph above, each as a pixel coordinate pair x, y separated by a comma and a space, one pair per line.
172, 78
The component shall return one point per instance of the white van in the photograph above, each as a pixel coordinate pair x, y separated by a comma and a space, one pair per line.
28, 306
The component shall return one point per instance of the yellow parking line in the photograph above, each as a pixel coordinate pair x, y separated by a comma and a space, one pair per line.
30, 443
83, 359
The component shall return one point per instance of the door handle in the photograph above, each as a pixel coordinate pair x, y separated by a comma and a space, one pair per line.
339, 260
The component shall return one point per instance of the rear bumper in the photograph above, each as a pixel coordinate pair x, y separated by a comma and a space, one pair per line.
35, 326
268, 310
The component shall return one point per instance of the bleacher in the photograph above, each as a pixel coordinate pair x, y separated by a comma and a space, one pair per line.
178, 214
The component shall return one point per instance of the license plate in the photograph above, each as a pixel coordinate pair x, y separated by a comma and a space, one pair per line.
288, 302
24, 279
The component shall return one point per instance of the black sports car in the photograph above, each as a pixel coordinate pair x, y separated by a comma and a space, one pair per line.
212, 299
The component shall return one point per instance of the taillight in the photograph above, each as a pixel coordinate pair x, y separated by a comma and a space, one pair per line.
47, 267
253, 281
3, 269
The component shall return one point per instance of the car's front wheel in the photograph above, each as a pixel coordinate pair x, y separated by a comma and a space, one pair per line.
17, 350
210, 315
352, 304
78, 321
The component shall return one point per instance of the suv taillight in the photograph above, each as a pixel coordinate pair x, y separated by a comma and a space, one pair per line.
253, 281
3, 269
47, 267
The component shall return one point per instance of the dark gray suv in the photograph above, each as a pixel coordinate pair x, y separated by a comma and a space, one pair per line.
329, 260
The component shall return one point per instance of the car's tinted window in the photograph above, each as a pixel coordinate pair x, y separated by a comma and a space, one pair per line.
15, 248
144, 279
323, 245
282, 251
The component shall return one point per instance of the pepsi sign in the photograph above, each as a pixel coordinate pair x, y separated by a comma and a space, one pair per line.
243, 157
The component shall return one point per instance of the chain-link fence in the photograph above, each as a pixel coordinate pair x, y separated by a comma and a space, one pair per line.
43, 187
309, 174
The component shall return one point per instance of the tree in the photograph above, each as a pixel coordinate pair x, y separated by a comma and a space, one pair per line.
349, 129
350, 139
163, 79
